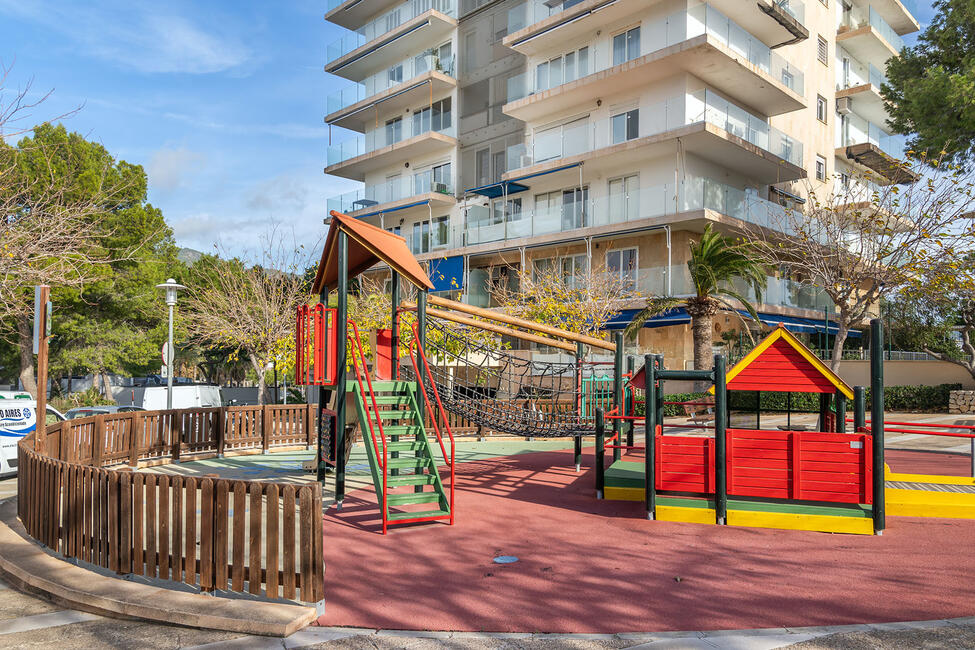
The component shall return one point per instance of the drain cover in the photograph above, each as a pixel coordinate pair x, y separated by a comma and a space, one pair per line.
505, 559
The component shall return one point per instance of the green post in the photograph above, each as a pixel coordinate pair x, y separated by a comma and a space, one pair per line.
630, 364
577, 441
394, 326
618, 393
824, 399
877, 422
859, 408
600, 454
660, 392
321, 466
720, 440
840, 412
650, 418
342, 325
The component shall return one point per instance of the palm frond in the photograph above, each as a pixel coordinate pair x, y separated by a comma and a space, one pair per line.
654, 307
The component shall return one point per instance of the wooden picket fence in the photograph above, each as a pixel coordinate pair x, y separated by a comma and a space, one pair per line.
78, 496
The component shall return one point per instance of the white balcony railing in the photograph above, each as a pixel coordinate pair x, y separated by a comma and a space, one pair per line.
393, 190
385, 24
403, 71
676, 28
583, 136
388, 135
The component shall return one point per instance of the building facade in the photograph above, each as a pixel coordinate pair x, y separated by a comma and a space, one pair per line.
498, 135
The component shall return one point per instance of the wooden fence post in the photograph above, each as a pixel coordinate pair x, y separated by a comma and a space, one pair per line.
98, 441
135, 434
265, 427
221, 429
175, 434
311, 426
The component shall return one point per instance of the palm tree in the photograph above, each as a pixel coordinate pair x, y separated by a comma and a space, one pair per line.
716, 261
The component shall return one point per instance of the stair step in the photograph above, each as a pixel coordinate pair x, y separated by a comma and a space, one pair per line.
419, 514
389, 386
392, 399
395, 415
411, 479
407, 463
405, 445
415, 497
402, 429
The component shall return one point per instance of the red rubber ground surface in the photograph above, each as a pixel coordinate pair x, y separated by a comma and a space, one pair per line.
599, 566
928, 462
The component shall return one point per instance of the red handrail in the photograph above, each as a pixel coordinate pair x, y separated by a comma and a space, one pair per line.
948, 434
357, 347
416, 347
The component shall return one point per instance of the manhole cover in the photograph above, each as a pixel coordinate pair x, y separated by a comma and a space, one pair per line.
505, 559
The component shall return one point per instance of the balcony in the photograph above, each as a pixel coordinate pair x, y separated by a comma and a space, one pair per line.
397, 88
860, 93
782, 292
896, 15
353, 13
868, 145
613, 212
536, 25
869, 38
409, 28
396, 195
356, 157
708, 125
703, 42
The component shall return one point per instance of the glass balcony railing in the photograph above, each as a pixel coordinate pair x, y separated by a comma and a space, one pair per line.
856, 130
394, 75
386, 136
332, 4
582, 136
394, 190
387, 23
885, 30
676, 28
860, 75
782, 292
795, 8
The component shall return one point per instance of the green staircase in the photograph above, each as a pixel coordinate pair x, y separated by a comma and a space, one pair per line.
414, 489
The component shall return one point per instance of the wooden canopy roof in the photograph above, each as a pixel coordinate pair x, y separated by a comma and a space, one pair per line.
782, 364
368, 245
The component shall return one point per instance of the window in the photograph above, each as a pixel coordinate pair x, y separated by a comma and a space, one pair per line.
436, 117
820, 168
626, 126
845, 181
626, 46
624, 198
440, 232
435, 179
821, 108
394, 130
574, 270
421, 237
562, 69
541, 267
622, 264
510, 210
574, 204
822, 52
482, 166
429, 236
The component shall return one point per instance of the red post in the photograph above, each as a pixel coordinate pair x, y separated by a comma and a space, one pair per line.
796, 467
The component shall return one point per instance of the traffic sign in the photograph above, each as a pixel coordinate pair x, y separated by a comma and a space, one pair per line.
167, 355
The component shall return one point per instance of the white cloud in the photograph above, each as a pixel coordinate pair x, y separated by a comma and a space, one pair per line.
168, 168
143, 38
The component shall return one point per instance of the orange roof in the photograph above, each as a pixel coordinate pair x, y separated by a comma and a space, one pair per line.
368, 245
781, 363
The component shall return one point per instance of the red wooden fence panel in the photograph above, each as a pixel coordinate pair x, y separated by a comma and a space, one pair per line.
685, 464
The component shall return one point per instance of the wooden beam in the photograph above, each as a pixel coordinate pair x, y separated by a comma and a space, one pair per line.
521, 322
497, 329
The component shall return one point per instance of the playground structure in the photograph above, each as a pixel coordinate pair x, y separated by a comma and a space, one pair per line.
827, 479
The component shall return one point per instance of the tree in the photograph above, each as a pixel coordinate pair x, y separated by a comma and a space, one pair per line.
862, 242
715, 263
929, 87
249, 309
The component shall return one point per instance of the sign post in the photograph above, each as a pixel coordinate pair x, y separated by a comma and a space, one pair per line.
42, 331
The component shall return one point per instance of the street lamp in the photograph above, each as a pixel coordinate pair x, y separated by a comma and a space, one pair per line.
171, 287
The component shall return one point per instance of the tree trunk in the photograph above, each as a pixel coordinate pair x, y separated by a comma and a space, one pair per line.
702, 311
842, 331
107, 385
259, 371
25, 340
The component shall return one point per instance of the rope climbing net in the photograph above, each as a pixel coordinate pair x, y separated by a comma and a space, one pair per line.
506, 390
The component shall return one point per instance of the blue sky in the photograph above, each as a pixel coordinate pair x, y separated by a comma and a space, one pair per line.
221, 100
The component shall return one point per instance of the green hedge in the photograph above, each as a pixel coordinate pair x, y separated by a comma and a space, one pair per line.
896, 398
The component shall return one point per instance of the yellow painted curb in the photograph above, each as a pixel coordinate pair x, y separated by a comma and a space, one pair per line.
796, 521
936, 479
686, 515
924, 503
623, 494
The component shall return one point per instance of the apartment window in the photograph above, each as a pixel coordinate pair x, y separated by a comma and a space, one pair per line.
820, 168
622, 264
821, 108
435, 117
436, 58
435, 179
626, 46
845, 181
394, 130
562, 69
574, 270
822, 51
574, 203
500, 163
482, 166
542, 267
502, 210
440, 232
421, 237
624, 198
626, 126
429, 235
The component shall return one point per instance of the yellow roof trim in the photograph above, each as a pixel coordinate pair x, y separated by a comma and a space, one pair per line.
781, 332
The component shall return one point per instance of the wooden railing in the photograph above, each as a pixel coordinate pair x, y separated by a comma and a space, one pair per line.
78, 496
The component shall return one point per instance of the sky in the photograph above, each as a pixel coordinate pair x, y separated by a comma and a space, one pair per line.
222, 102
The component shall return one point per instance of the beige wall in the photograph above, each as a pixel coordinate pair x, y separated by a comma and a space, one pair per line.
908, 373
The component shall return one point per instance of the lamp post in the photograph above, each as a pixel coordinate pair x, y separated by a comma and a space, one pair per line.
171, 287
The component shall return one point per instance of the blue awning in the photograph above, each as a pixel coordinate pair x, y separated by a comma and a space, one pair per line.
512, 185
397, 208
447, 273
679, 316
673, 317
798, 324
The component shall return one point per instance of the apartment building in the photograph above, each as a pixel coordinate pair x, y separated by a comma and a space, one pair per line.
605, 134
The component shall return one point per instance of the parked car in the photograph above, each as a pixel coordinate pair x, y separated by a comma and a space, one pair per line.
18, 418
88, 411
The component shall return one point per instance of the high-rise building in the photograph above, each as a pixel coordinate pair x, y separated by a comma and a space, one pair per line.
583, 134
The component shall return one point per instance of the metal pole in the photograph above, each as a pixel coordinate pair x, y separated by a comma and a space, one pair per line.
342, 318
859, 408
170, 358
660, 390
630, 363
600, 454
321, 467
840, 412
394, 326
618, 393
877, 422
720, 440
650, 420
580, 351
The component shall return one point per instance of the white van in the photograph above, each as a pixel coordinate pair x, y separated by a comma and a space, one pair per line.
153, 398
18, 418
